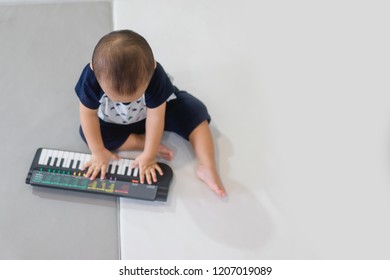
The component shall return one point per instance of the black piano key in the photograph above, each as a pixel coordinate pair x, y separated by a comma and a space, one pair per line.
62, 162
71, 164
126, 169
116, 170
109, 168
78, 165
55, 161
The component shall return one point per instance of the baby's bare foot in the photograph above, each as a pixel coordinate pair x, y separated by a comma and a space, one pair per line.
211, 178
138, 143
165, 152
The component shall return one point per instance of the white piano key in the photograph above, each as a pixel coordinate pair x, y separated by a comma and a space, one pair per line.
60, 155
132, 169
69, 159
122, 167
87, 158
108, 165
66, 155
135, 173
75, 160
42, 157
53, 157
128, 164
48, 156
114, 165
82, 159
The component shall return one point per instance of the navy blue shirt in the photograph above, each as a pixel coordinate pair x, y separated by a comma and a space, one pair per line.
91, 95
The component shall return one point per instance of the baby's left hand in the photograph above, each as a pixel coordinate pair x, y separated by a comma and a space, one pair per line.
147, 168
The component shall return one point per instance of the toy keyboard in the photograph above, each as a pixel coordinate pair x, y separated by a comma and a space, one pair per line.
61, 170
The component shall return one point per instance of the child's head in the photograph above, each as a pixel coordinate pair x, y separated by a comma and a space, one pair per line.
123, 64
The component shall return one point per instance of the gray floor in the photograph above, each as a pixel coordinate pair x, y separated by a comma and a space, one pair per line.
42, 52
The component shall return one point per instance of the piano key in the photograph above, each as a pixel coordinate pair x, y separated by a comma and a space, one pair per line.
132, 169
114, 166
75, 160
62, 162
82, 159
69, 160
87, 158
109, 167
60, 155
121, 165
55, 153
128, 165
135, 173
66, 155
47, 157
51, 161
53, 158
42, 157
116, 170
55, 161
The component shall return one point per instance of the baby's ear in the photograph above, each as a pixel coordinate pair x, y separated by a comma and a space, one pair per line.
90, 66
155, 65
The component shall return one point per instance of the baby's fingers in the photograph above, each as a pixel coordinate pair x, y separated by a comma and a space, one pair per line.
103, 172
86, 165
154, 176
134, 164
89, 171
141, 174
95, 173
151, 173
158, 168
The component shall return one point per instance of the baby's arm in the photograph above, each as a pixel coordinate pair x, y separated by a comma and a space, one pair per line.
146, 161
100, 155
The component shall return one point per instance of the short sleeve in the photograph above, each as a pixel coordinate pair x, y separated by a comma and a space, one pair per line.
88, 89
160, 88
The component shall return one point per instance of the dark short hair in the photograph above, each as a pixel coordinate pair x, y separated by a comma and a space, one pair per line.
124, 60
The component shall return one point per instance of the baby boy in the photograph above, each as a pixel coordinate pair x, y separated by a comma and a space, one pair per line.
127, 101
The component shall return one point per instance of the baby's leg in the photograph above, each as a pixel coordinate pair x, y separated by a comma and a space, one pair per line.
202, 142
136, 142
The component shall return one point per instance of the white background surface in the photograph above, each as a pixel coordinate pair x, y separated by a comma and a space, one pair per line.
299, 96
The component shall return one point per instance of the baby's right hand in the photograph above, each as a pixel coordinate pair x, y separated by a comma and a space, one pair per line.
98, 163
